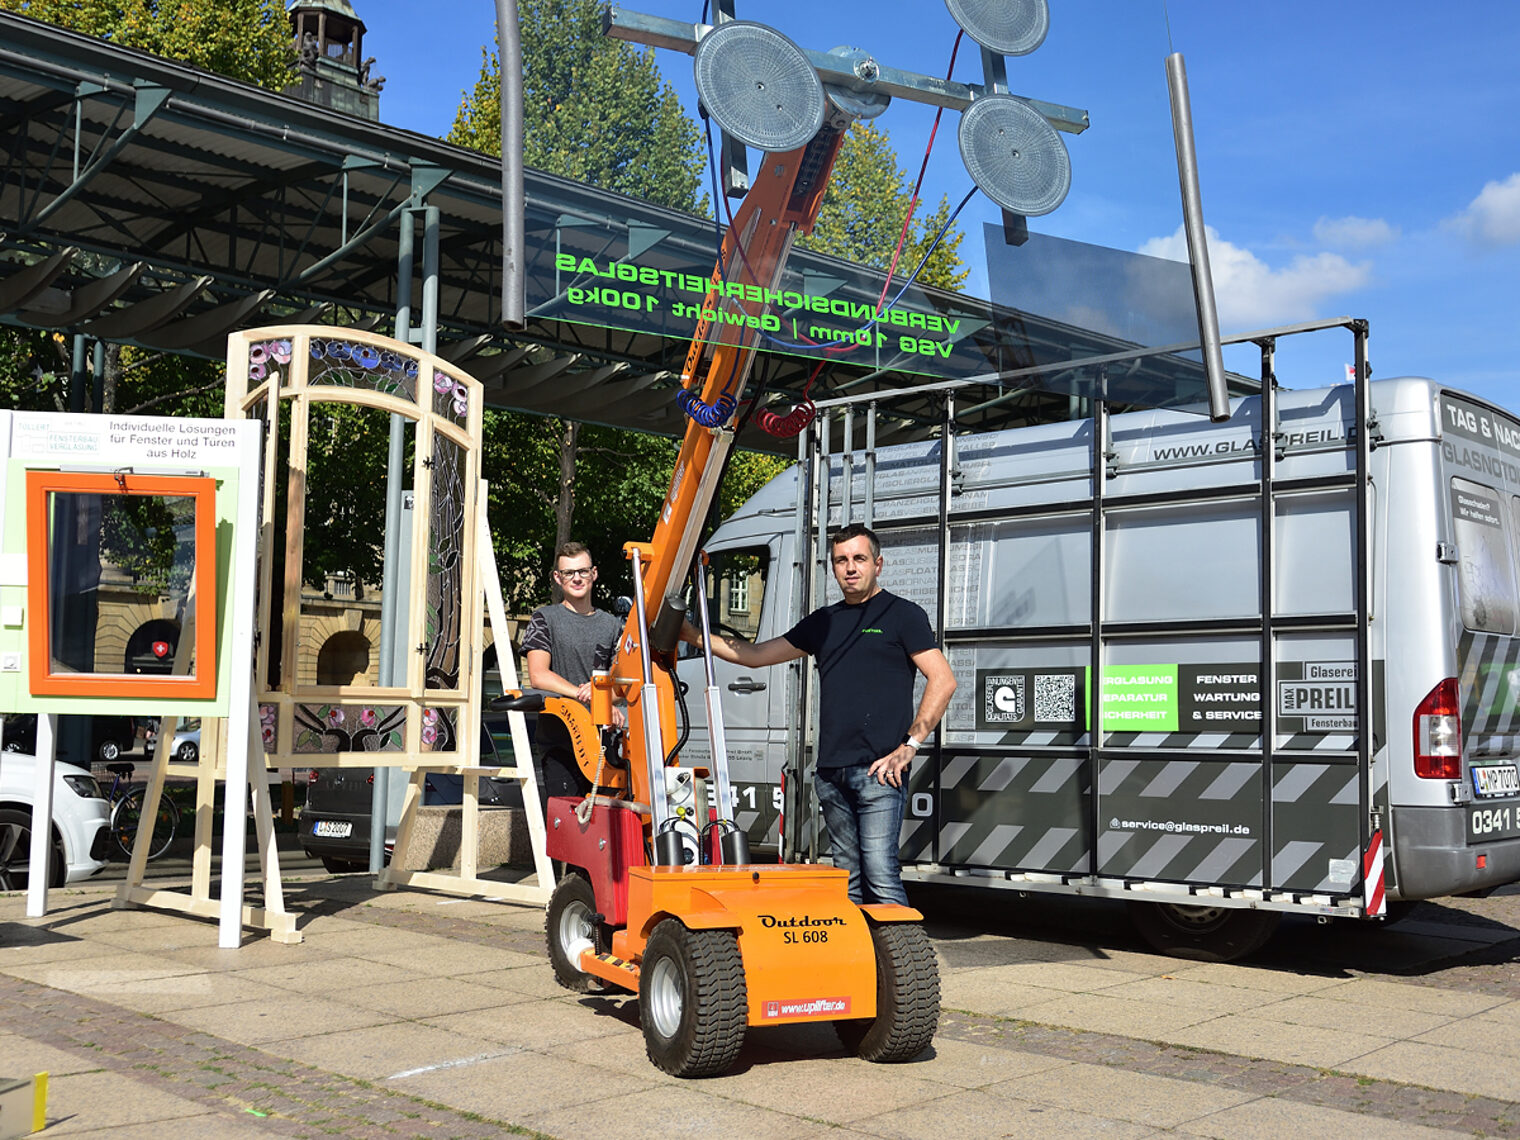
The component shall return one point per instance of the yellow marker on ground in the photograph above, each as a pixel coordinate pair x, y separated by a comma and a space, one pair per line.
39, 1102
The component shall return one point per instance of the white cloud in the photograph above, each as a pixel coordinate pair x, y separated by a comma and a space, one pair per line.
1250, 294
1493, 217
1354, 233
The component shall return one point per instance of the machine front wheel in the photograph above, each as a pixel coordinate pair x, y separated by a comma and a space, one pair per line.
907, 997
693, 1001
570, 928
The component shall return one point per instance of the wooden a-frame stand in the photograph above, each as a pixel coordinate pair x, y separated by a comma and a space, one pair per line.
272, 916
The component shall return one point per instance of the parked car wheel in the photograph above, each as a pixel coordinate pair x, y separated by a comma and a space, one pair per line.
187, 753
108, 751
16, 852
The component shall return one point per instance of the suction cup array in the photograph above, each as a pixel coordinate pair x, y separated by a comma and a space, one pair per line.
1014, 155
1008, 27
759, 86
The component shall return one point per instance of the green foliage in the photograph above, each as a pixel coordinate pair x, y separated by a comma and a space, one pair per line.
34, 368
248, 40
344, 528
140, 535
244, 39
747, 472
594, 109
863, 211
620, 482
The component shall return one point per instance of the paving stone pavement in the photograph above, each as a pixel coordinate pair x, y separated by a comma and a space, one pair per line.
409, 1014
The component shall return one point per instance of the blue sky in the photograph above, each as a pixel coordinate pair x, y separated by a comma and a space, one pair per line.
1357, 158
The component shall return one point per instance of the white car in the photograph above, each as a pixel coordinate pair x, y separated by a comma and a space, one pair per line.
186, 746
80, 822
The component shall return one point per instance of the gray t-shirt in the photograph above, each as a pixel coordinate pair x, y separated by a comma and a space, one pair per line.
576, 643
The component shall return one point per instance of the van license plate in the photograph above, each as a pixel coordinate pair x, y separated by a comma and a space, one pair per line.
332, 829
1496, 780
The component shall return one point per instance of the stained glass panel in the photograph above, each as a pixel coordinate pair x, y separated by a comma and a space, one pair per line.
348, 728
445, 584
347, 364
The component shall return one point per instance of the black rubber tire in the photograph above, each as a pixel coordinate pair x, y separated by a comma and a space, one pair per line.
907, 997
126, 818
1203, 933
16, 852
570, 925
188, 753
108, 751
693, 1000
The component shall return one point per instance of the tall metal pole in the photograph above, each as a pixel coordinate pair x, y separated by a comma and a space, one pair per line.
390, 568
1198, 246
509, 59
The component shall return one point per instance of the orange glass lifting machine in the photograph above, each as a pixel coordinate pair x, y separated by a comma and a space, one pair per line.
652, 901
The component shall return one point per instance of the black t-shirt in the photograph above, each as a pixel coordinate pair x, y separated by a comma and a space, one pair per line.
865, 665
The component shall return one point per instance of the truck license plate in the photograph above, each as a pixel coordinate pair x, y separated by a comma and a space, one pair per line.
332, 829
1496, 780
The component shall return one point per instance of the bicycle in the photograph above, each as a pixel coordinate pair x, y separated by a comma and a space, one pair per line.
126, 801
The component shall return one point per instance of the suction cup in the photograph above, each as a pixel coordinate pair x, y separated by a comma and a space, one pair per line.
1014, 155
759, 86
1008, 27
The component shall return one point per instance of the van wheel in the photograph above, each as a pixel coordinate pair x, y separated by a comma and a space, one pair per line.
693, 1001
1203, 933
572, 926
907, 997
16, 852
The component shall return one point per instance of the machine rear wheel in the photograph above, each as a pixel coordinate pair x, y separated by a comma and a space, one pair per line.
570, 928
1203, 933
907, 997
693, 1000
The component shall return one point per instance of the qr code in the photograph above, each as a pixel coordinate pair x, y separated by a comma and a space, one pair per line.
1055, 697
1003, 699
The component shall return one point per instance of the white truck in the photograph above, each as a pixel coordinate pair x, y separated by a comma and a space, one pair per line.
1301, 640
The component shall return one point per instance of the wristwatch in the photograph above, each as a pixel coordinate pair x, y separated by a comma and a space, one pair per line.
913, 744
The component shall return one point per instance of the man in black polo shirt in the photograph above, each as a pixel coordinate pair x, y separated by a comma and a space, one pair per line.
868, 647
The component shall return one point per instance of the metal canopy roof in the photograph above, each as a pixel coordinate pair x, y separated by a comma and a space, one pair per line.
147, 202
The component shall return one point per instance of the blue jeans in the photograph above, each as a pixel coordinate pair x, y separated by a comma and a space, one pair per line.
864, 818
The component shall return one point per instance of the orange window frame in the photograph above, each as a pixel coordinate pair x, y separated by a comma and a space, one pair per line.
42, 681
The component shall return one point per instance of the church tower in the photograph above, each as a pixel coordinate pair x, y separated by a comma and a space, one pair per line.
331, 67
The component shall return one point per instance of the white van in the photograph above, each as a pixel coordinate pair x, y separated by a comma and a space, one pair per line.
1305, 655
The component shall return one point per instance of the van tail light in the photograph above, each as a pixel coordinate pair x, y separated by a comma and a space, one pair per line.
1438, 734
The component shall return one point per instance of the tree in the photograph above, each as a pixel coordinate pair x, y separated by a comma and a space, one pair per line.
863, 211
243, 39
594, 109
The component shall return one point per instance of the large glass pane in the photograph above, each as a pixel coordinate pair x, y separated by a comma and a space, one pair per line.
120, 572
343, 545
445, 571
736, 590
1487, 584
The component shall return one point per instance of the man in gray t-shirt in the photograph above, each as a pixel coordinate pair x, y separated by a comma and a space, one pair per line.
564, 643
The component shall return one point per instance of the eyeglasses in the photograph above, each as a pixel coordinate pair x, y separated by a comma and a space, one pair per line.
578, 573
